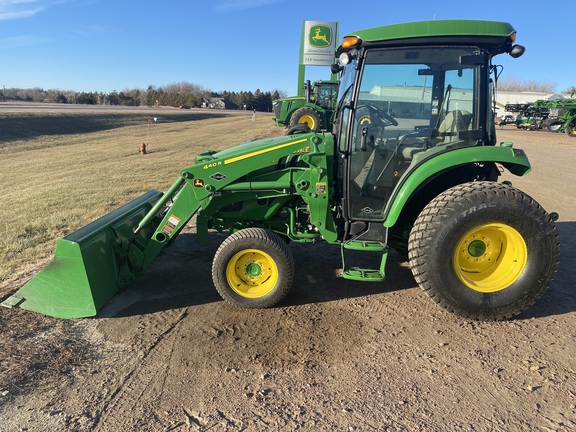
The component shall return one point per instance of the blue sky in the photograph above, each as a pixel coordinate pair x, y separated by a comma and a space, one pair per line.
104, 45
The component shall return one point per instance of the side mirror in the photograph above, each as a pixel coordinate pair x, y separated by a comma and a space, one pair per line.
335, 68
517, 51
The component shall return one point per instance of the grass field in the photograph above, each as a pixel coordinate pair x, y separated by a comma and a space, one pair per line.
60, 171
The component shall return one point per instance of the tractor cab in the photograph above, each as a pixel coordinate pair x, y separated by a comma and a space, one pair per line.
325, 93
402, 103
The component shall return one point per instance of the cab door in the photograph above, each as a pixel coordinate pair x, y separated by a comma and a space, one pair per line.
410, 104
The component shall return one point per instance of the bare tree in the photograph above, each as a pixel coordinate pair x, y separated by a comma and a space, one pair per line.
517, 85
570, 91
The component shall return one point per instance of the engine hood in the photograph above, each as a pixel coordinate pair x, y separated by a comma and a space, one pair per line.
275, 147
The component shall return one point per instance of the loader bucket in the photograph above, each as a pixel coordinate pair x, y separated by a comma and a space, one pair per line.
89, 265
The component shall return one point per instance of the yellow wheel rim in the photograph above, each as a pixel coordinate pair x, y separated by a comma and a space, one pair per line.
309, 120
252, 273
490, 258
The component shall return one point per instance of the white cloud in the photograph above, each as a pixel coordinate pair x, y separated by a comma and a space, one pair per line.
21, 41
18, 9
224, 6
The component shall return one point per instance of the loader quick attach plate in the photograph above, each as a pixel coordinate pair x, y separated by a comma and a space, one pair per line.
87, 269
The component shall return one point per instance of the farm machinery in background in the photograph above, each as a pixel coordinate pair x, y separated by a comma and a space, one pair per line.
556, 115
561, 115
526, 116
411, 163
314, 109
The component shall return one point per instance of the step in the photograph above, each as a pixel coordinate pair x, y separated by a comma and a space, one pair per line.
365, 245
364, 274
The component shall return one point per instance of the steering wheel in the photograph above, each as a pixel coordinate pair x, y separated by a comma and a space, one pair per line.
375, 113
412, 142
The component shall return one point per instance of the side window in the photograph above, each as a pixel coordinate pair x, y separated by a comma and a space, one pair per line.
458, 107
462, 94
393, 101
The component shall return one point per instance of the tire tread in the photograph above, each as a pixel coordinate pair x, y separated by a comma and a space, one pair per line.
435, 214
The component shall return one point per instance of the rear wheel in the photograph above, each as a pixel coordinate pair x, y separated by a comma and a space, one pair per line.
484, 250
253, 268
308, 116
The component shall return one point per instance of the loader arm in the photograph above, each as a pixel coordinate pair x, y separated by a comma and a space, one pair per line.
265, 175
95, 262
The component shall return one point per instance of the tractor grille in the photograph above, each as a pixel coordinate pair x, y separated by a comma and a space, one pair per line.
277, 108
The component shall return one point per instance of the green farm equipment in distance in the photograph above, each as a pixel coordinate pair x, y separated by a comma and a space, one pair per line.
554, 115
561, 115
313, 110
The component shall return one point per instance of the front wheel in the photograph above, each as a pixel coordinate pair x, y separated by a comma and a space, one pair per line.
253, 268
484, 250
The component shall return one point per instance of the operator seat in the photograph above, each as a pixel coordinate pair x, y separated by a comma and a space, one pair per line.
454, 122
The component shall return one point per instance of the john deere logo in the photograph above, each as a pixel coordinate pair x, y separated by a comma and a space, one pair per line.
320, 36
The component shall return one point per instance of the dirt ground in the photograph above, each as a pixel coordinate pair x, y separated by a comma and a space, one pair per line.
169, 355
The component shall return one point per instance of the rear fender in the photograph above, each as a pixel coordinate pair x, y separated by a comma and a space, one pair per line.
420, 172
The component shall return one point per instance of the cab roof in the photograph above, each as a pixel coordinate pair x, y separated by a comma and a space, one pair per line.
484, 33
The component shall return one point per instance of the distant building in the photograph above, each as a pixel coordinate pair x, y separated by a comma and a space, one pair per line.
414, 101
218, 103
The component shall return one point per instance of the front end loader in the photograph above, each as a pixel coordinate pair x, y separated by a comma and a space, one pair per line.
412, 164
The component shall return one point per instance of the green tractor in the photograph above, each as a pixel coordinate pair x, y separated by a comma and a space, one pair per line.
313, 110
412, 164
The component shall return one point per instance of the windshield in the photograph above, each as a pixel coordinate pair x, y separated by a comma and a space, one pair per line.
424, 91
325, 94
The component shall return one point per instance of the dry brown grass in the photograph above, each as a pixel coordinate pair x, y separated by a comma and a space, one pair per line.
73, 168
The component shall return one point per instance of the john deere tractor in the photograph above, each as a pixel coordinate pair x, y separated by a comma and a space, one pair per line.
312, 110
412, 163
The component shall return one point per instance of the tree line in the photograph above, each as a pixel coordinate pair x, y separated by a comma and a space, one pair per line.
516, 85
177, 94
192, 95
542, 86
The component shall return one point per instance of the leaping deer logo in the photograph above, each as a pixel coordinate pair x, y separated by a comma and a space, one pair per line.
322, 36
